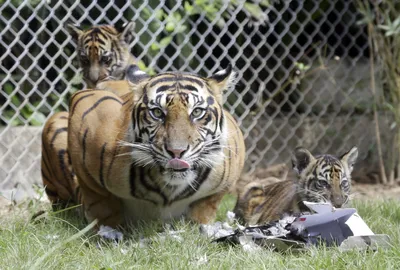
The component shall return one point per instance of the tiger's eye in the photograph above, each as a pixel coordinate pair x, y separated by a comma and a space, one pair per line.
157, 113
321, 184
344, 184
198, 112
106, 59
84, 59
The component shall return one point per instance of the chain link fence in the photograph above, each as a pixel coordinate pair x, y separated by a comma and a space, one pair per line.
303, 68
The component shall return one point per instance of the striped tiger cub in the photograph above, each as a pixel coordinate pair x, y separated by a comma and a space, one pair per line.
165, 149
103, 51
322, 178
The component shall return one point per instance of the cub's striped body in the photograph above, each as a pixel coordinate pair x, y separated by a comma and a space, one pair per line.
320, 179
103, 52
165, 149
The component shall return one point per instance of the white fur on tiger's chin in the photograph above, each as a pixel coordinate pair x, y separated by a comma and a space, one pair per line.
110, 233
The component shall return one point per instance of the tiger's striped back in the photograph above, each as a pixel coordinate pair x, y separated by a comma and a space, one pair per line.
323, 178
58, 175
103, 51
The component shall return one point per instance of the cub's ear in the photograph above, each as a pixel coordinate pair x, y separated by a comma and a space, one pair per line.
136, 78
126, 32
301, 158
350, 158
74, 30
222, 80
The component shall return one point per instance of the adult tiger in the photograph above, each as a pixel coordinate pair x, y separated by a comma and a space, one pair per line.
103, 51
164, 150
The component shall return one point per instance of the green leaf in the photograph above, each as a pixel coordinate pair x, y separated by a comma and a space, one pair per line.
165, 41
148, 70
181, 28
254, 10
141, 65
160, 14
188, 8
170, 27
384, 27
199, 2
77, 79
15, 122
210, 17
265, 3
146, 13
8, 88
177, 16
210, 9
25, 112
221, 23
155, 46
15, 100
38, 119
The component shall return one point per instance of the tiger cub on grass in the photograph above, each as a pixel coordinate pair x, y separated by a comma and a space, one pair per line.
320, 179
103, 51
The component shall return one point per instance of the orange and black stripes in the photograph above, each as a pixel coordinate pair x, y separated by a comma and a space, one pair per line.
58, 177
98, 102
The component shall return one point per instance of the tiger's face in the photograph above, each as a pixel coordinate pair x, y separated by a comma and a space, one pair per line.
325, 177
103, 51
179, 123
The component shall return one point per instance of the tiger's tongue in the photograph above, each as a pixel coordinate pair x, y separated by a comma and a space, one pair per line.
177, 164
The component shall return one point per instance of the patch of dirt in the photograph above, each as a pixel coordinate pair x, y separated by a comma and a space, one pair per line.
5, 206
8, 209
375, 191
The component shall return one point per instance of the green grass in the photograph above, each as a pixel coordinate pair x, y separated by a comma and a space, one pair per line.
50, 244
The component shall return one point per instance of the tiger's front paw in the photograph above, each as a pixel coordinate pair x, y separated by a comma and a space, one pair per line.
110, 233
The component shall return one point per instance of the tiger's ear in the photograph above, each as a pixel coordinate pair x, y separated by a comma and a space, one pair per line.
222, 80
137, 79
74, 30
350, 157
301, 158
126, 32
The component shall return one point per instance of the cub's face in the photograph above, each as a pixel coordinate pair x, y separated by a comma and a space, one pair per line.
103, 51
325, 177
178, 120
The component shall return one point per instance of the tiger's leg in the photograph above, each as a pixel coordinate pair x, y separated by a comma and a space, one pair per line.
204, 210
58, 178
95, 120
103, 206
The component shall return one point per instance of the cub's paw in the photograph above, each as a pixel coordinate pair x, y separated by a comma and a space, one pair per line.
110, 233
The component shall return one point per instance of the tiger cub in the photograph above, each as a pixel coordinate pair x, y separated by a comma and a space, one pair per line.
320, 179
165, 149
103, 51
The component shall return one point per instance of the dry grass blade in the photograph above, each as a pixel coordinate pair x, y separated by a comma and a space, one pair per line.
59, 245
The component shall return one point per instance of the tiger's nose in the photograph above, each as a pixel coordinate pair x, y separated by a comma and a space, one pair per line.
176, 152
338, 201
